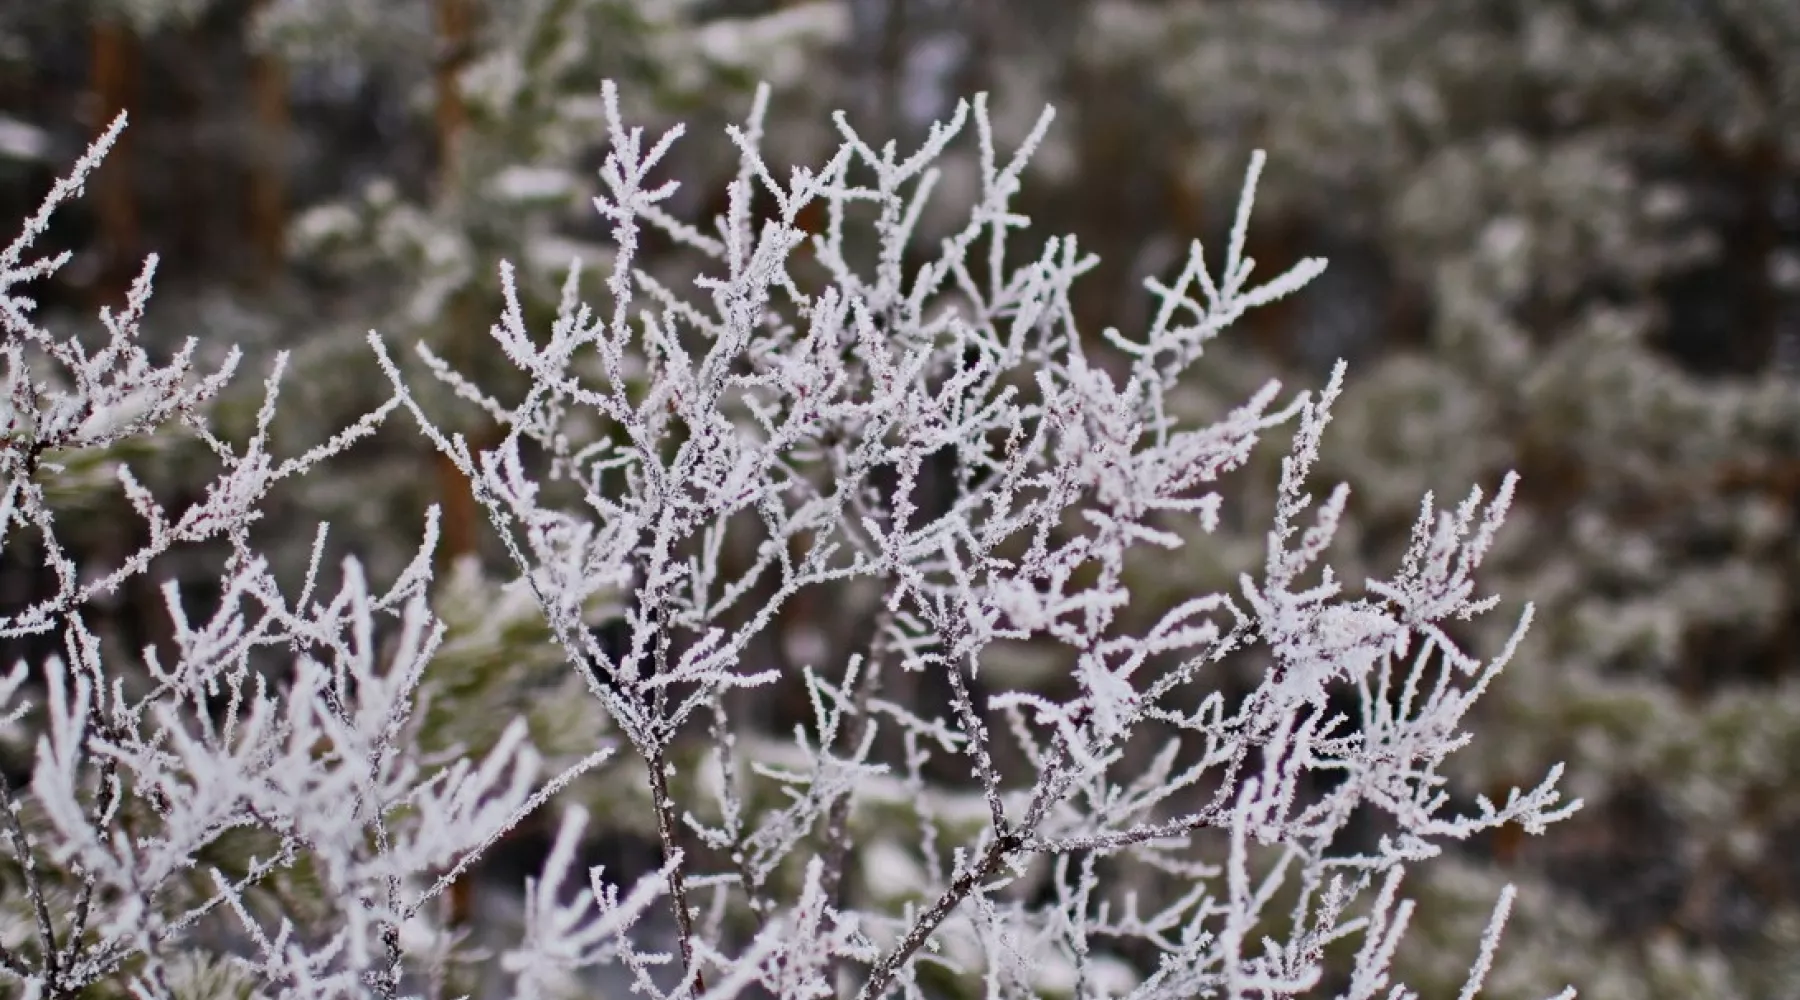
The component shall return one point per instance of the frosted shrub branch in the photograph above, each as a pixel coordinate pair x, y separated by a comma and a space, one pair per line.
915, 439
796, 409
179, 791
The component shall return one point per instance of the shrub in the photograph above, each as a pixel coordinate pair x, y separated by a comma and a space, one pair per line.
251, 807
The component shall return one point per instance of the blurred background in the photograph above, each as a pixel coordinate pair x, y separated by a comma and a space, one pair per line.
1564, 238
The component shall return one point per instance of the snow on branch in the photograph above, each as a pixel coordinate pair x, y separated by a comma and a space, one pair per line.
915, 435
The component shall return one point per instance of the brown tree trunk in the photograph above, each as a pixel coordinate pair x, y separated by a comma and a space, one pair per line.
461, 514
268, 177
113, 76
455, 31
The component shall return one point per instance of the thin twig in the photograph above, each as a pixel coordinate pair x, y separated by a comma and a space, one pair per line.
34, 889
666, 831
837, 822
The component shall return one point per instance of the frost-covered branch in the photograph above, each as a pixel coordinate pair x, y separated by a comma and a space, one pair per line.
798, 407
825, 416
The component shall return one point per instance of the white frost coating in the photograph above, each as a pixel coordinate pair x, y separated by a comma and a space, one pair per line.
795, 423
